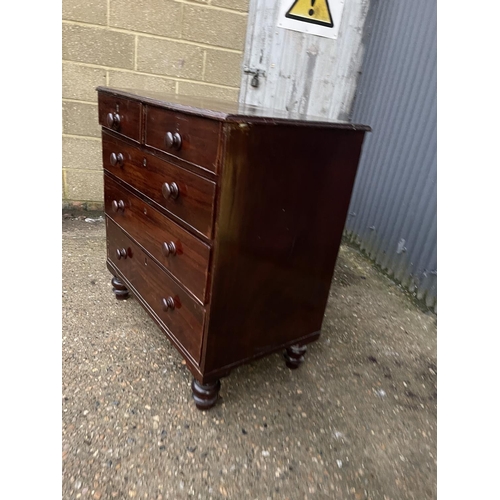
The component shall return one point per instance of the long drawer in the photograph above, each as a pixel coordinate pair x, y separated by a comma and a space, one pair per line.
174, 308
183, 194
184, 255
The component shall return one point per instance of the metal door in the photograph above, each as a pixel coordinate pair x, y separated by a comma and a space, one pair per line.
302, 73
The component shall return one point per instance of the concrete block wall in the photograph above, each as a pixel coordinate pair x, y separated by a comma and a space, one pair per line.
192, 47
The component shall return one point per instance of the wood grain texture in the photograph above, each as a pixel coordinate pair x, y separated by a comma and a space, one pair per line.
221, 110
129, 111
195, 202
200, 136
285, 192
185, 321
257, 222
152, 229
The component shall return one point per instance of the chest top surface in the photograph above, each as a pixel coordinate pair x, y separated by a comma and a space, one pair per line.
229, 111
224, 221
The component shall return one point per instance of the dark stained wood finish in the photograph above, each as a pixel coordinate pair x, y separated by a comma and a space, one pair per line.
189, 263
147, 174
129, 112
235, 206
119, 288
198, 137
228, 111
205, 395
294, 356
285, 192
184, 321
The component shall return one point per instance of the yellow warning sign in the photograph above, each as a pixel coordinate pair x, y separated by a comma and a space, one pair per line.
311, 11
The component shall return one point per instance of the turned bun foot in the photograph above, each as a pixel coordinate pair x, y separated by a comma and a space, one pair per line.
119, 289
294, 356
205, 396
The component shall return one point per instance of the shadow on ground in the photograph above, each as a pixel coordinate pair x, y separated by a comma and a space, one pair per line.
356, 421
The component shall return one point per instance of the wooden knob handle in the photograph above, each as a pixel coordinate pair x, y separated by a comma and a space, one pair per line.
117, 205
168, 303
121, 253
113, 120
173, 141
116, 159
170, 190
169, 248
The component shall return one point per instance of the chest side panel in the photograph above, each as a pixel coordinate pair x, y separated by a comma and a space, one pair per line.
284, 195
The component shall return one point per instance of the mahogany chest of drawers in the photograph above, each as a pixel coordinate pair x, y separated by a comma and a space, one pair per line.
224, 223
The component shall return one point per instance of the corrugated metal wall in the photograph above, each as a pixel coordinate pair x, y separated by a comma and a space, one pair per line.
393, 209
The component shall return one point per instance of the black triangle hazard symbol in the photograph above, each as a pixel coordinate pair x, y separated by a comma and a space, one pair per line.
311, 11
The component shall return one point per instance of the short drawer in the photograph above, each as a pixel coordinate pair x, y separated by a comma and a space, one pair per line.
176, 311
184, 255
121, 115
183, 194
187, 137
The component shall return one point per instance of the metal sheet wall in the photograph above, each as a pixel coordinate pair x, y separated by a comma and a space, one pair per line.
393, 212
299, 72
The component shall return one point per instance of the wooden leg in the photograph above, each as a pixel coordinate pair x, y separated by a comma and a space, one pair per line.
294, 356
205, 396
119, 289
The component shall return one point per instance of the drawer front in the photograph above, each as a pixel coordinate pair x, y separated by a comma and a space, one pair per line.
188, 137
182, 193
184, 255
178, 312
120, 115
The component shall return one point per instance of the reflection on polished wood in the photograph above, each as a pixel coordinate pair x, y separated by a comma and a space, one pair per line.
224, 222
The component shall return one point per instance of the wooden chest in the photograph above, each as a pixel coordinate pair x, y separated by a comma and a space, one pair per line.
224, 223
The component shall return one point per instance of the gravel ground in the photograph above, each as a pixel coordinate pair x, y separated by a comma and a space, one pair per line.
356, 421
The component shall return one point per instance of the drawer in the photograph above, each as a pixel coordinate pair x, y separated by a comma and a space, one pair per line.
180, 192
187, 137
184, 255
179, 313
121, 115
